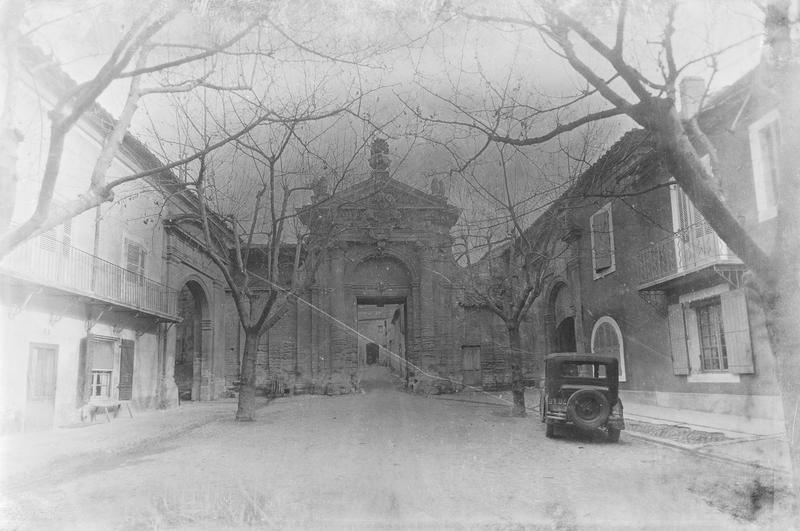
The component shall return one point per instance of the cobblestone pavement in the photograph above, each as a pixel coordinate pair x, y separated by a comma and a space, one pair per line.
680, 434
387, 459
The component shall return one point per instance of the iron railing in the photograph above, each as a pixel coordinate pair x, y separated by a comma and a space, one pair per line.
691, 248
45, 260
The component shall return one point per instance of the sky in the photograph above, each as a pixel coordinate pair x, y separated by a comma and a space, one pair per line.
410, 58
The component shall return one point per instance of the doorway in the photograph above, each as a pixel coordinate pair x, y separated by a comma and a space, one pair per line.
189, 341
42, 375
382, 332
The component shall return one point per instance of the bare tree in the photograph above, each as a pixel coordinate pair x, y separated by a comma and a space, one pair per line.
256, 186
139, 58
520, 260
628, 86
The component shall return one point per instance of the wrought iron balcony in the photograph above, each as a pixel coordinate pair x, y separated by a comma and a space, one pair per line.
693, 248
46, 261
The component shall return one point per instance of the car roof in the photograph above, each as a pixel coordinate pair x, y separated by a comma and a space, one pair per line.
581, 358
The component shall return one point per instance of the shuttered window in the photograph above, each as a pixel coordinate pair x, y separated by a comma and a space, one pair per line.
737, 332
677, 340
765, 139
134, 257
716, 335
713, 354
602, 233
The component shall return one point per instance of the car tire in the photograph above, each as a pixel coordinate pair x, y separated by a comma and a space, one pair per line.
613, 434
588, 409
549, 431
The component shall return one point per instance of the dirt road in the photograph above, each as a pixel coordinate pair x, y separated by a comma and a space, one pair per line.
382, 459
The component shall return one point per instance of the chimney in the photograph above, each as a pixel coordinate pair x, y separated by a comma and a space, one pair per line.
692, 89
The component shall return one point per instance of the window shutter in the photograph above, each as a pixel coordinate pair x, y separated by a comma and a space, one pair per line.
677, 338
126, 361
602, 240
84, 373
134, 257
736, 328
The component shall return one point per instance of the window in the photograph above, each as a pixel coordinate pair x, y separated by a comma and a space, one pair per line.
59, 237
765, 154
602, 233
134, 257
607, 341
101, 384
101, 356
696, 243
713, 356
710, 335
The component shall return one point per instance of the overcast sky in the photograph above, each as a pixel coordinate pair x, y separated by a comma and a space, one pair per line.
403, 53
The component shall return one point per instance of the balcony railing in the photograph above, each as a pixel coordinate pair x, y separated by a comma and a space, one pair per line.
690, 249
47, 261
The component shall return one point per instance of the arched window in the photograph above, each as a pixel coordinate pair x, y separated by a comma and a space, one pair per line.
607, 341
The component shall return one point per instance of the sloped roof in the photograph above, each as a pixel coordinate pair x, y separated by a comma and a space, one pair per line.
45, 67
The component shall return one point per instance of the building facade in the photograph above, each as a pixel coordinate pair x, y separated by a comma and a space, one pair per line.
90, 310
650, 282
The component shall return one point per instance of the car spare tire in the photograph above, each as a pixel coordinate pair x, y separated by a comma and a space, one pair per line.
588, 408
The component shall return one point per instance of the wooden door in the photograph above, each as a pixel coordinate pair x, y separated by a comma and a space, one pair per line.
471, 365
42, 376
125, 387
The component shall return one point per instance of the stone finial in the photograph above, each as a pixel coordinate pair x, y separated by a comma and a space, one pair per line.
379, 157
437, 187
319, 189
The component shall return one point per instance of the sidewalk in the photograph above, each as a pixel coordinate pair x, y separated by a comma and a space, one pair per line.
23, 452
754, 442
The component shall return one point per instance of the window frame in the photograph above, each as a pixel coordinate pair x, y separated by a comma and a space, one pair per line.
759, 160
92, 386
613, 267
142, 262
689, 302
607, 319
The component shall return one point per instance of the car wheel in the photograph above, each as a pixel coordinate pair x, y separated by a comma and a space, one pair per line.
613, 434
588, 409
549, 431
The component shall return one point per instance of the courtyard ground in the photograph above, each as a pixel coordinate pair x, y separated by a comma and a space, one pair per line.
377, 460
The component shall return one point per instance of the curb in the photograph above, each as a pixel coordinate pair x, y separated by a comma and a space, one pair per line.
697, 449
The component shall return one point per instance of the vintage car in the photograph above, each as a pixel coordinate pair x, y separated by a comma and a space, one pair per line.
582, 391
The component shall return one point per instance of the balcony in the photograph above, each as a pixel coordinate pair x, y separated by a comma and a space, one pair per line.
688, 255
45, 261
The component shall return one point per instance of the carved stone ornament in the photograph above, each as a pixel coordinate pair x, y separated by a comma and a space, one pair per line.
378, 157
382, 210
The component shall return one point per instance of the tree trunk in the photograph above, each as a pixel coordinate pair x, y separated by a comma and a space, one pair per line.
247, 385
781, 74
517, 384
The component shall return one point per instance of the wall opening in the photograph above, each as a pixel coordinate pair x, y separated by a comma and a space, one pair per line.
192, 304
382, 333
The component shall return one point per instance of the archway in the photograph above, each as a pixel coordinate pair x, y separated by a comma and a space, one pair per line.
382, 290
607, 341
563, 312
189, 341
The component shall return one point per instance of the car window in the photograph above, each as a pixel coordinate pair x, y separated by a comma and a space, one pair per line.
584, 370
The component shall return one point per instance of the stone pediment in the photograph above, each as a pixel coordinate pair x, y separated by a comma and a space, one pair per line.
383, 201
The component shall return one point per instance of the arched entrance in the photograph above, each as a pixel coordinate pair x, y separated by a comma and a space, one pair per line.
381, 286
563, 312
189, 340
